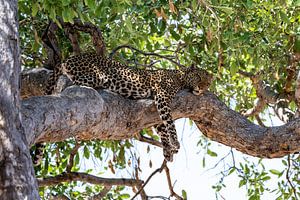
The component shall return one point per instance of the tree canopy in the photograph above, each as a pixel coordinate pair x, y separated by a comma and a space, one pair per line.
251, 46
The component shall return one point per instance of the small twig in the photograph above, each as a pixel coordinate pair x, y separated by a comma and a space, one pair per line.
148, 140
148, 179
259, 121
158, 197
72, 155
297, 94
142, 193
258, 107
102, 194
145, 53
173, 194
232, 156
222, 159
60, 197
287, 175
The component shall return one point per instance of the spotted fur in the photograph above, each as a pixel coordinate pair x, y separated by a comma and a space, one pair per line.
162, 85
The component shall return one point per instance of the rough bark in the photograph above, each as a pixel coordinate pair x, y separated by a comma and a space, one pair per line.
87, 114
16, 172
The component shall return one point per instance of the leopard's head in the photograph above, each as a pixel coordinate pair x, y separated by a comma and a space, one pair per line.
198, 80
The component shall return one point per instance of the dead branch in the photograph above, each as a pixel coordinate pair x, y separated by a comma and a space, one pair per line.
84, 177
173, 194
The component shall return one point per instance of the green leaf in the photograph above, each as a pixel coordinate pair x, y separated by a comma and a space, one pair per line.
76, 159
128, 25
242, 182
175, 35
91, 4
184, 196
266, 178
203, 162
162, 26
86, 152
52, 13
124, 196
66, 2
232, 170
284, 17
297, 45
233, 68
275, 171
211, 153
35, 9
227, 10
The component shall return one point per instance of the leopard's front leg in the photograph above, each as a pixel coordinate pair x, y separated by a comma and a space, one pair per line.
167, 130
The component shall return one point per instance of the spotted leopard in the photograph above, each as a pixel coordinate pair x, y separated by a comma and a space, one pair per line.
162, 85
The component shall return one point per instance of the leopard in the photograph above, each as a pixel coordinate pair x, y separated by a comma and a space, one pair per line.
98, 72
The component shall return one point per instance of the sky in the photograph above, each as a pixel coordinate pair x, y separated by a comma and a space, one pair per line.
187, 171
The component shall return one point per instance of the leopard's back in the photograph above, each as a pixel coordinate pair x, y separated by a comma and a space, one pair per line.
98, 72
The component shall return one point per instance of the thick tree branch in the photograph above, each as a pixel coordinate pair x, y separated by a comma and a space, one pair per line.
85, 114
78, 176
90, 28
51, 45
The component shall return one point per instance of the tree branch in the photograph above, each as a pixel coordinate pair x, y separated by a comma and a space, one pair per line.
149, 178
90, 28
173, 194
149, 140
86, 114
50, 43
79, 176
72, 155
103, 193
145, 53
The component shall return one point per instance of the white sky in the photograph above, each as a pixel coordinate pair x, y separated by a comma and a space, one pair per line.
187, 171
189, 174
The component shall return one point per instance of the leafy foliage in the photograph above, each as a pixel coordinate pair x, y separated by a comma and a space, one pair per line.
223, 36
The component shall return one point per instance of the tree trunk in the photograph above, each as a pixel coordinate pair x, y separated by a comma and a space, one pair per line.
17, 179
